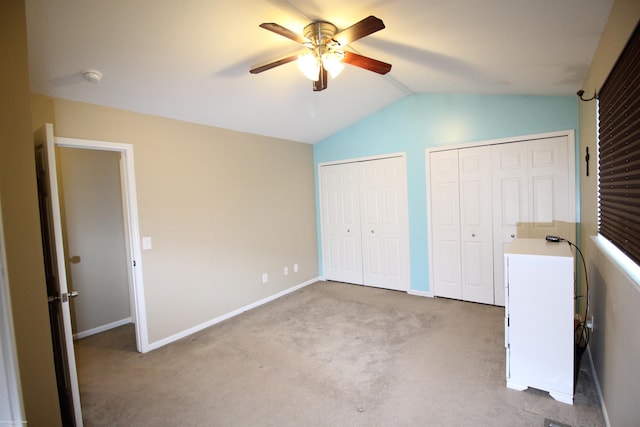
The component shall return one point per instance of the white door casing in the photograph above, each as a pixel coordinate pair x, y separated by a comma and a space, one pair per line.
133, 249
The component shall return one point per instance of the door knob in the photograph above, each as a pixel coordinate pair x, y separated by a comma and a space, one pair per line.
473, 234
372, 231
64, 297
348, 230
513, 235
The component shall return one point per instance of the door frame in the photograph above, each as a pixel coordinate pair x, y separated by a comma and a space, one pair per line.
9, 375
132, 229
573, 165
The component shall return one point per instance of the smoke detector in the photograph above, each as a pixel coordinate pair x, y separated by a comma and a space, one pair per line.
92, 76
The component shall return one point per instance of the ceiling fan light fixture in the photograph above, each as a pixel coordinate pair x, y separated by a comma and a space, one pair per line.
332, 62
309, 65
325, 56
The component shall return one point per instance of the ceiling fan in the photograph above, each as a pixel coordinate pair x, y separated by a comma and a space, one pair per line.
324, 52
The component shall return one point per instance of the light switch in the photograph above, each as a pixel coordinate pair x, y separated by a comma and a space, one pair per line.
146, 243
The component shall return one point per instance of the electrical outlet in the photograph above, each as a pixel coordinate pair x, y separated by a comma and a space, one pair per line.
265, 277
286, 271
295, 268
590, 323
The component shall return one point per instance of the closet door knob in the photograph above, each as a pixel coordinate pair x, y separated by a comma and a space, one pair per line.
348, 230
372, 231
513, 235
473, 234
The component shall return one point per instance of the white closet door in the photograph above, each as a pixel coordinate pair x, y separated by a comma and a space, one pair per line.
342, 246
523, 189
385, 224
476, 228
549, 197
511, 205
445, 223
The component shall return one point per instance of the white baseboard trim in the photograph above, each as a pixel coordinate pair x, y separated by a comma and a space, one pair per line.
102, 328
197, 328
420, 293
598, 389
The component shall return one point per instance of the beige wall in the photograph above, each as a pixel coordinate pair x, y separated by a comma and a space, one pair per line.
93, 228
615, 299
19, 203
221, 207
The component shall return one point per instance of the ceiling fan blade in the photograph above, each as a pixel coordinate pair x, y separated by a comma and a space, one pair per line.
366, 63
284, 32
272, 63
321, 83
368, 25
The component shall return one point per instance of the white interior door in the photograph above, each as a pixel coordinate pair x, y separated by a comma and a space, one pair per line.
58, 293
341, 236
385, 224
511, 205
445, 223
476, 228
550, 199
529, 185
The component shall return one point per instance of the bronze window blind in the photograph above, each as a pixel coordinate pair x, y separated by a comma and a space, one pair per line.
619, 152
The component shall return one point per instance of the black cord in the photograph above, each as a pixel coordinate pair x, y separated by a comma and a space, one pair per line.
582, 333
586, 279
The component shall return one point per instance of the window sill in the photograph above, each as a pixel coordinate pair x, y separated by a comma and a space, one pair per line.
618, 258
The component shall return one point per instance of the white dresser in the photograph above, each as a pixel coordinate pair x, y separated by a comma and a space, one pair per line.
539, 317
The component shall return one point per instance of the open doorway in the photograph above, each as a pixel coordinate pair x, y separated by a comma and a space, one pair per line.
101, 236
95, 242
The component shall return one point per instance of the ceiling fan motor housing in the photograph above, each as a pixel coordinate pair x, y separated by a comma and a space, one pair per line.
320, 33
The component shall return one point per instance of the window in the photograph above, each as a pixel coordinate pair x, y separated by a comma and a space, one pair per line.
619, 152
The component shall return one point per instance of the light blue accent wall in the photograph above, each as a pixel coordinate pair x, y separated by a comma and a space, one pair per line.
421, 121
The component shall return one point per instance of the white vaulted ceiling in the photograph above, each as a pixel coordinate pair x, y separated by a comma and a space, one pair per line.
190, 59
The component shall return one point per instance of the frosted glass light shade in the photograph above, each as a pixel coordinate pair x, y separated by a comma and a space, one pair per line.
332, 62
309, 64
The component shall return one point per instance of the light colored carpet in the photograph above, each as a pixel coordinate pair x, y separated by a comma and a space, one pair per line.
330, 354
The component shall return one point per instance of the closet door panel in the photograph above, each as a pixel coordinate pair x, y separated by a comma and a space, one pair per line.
342, 248
511, 205
445, 223
549, 182
384, 222
476, 229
